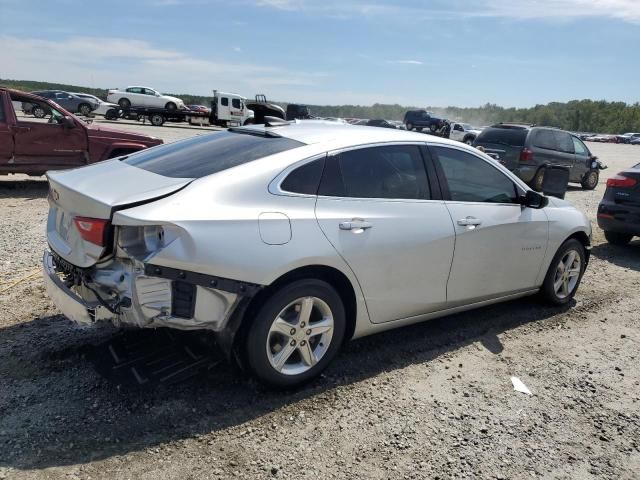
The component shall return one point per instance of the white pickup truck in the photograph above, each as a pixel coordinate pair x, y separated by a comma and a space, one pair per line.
464, 132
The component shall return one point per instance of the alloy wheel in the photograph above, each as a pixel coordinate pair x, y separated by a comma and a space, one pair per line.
567, 274
300, 336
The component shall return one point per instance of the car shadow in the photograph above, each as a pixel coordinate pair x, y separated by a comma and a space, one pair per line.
626, 256
57, 410
28, 188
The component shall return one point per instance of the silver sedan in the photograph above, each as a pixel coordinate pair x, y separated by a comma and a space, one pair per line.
286, 240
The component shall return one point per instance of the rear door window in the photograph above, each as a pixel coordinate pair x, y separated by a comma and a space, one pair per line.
546, 139
304, 179
510, 137
207, 154
390, 172
565, 144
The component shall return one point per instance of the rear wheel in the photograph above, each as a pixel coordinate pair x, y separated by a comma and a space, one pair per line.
615, 238
409, 127
433, 127
538, 180
296, 333
564, 274
38, 111
469, 140
156, 120
124, 103
590, 180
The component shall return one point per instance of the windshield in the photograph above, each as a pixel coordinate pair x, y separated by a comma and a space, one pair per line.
466, 126
208, 154
511, 137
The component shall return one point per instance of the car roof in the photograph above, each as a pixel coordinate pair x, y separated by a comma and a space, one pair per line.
341, 135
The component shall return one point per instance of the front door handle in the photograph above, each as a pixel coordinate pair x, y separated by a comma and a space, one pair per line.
469, 222
356, 225
17, 129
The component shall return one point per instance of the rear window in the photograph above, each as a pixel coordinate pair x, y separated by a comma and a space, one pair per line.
511, 137
208, 154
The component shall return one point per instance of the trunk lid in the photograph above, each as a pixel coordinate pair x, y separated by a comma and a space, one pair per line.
97, 191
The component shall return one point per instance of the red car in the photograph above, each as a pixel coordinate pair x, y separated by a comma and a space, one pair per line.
60, 140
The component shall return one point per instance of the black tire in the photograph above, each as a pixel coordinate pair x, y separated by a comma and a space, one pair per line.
248, 121
84, 109
170, 106
38, 112
469, 140
257, 339
548, 290
433, 127
590, 180
409, 127
156, 120
538, 180
124, 103
615, 238
111, 114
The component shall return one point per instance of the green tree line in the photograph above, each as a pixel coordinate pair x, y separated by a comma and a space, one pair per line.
577, 115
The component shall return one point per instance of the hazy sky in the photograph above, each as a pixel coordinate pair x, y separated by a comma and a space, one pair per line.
429, 52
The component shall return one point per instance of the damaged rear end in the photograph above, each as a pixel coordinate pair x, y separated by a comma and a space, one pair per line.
97, 270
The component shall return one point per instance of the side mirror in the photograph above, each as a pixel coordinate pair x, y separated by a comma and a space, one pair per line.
555, 181
67, 122
535, 200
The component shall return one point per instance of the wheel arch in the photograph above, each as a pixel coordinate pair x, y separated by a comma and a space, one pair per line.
334, 277
584, 239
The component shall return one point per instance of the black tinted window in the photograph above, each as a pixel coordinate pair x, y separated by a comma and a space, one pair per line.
394, 171
304, 179
235, 102
546, 139
224, 101
201, 156
565, 144
471, 179
511, 137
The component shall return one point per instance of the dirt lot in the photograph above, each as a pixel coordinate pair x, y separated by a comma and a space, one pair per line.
430, 401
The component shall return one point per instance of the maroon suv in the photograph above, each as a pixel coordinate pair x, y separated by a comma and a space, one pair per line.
60, 140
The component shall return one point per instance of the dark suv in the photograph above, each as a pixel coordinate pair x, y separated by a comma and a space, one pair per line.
527, 150
420, 119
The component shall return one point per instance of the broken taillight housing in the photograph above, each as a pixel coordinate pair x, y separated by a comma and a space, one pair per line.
92, 229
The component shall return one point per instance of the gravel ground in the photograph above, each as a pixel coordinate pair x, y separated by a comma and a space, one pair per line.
429, 401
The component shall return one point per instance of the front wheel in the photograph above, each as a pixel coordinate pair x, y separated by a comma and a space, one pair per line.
433, 127
615, 238
296, 333
564, 274
469, 140
409, 127
124, 103
84, 109
590, 180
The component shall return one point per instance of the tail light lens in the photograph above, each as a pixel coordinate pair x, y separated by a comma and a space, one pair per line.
92, 229
526, 155
620, 181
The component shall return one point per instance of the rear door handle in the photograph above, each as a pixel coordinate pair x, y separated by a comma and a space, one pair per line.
469, 222
355, 224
